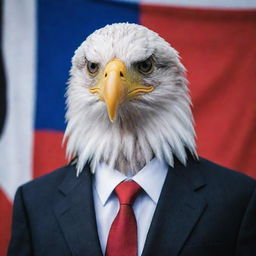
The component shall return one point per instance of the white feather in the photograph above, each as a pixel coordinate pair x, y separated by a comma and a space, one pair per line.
158, 124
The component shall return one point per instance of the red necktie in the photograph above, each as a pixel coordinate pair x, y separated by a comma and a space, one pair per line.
122, 237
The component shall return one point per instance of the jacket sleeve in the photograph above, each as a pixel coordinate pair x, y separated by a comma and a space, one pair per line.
20, 243
246, 244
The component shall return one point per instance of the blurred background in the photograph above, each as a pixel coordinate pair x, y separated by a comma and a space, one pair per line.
215, 38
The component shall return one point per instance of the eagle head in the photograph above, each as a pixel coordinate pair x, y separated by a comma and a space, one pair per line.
127, 101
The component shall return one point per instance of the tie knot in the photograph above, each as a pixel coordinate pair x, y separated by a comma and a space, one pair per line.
127, 191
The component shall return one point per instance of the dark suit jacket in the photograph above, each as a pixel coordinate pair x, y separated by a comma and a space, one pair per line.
203, 210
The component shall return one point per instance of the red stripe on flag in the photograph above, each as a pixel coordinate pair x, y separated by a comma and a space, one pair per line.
5, 222
48, 152
218, 49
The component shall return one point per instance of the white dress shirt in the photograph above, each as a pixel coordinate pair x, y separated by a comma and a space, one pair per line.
151, 178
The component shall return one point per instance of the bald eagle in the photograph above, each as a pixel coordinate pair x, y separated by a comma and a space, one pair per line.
127, 101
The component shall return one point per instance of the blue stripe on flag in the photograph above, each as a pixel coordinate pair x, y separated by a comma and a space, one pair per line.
62, 26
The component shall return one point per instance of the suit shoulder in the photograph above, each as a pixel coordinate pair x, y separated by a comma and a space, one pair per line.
50, 180
224, 177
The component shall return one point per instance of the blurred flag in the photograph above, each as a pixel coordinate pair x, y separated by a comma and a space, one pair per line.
216, 41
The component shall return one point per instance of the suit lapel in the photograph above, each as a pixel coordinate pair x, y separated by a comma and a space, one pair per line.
76, 215
178, 210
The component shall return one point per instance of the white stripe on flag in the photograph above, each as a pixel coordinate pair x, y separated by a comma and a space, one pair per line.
227, 4
19, 39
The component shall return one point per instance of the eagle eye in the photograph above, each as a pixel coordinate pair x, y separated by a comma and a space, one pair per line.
145, 67
92, 68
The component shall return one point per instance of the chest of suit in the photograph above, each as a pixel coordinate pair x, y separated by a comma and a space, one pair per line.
188, 220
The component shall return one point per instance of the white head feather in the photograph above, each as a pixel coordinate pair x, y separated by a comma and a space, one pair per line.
159, 123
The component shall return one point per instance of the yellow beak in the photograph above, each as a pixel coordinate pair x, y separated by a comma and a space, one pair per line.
114, 87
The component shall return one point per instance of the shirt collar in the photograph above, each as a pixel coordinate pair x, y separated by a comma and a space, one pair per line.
106, 179
151, 178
